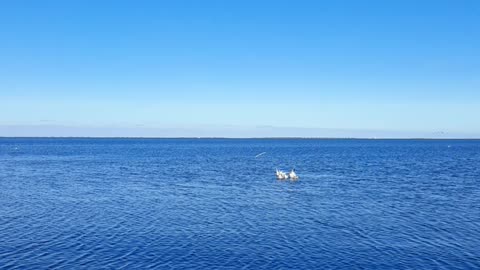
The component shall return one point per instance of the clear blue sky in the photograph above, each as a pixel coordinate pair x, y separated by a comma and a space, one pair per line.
353, 65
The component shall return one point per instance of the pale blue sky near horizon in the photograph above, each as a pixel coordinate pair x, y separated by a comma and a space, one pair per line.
396, 66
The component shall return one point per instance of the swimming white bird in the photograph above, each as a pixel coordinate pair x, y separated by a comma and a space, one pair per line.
278, 173
281, 175
293, 175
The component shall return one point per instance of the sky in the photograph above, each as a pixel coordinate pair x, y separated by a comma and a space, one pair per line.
245, 68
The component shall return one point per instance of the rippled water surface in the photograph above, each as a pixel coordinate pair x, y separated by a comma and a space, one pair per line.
210, 204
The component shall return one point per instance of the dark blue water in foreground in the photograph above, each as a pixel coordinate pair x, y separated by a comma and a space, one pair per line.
210, 204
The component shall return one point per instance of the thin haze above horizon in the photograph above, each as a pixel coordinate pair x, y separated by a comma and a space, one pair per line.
252, 68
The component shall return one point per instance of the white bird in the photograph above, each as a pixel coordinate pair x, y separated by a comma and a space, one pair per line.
293, 175
281, 175
278, 173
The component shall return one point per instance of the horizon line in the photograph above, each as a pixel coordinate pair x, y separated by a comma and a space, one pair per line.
233, 138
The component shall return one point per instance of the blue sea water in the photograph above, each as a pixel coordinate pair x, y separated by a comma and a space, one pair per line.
210, 204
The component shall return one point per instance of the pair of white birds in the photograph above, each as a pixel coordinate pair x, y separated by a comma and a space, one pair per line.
282, 175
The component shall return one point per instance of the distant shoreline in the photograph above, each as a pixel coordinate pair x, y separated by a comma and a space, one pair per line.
235, 138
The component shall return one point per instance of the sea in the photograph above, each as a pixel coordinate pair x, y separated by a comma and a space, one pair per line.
125, 203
